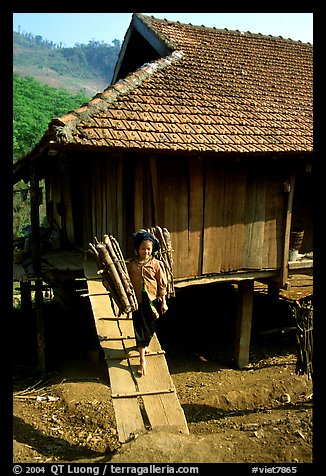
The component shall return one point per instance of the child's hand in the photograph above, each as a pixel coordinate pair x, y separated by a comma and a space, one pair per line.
164, 307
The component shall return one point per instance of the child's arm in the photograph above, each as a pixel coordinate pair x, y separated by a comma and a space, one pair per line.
164, 306
161, 286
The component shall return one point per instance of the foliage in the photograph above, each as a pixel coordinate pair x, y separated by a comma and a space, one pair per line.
34, 105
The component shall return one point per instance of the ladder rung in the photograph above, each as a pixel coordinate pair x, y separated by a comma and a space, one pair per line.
103, 338
140, 394
126, 356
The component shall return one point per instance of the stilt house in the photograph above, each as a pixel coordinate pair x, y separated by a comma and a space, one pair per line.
203, 131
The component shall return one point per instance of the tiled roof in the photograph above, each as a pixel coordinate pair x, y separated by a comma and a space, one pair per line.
218, 91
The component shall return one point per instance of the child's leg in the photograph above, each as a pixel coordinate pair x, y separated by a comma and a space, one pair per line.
142, 368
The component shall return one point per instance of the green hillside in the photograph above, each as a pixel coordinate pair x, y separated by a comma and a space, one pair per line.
83, 68
49, 81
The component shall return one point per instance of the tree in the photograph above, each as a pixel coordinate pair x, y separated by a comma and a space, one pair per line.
34, 105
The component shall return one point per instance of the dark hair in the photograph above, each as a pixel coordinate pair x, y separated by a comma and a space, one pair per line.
143, 235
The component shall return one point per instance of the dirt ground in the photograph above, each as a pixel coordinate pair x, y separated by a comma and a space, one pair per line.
261, 414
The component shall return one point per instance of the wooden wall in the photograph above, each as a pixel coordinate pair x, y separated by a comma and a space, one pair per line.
223, 215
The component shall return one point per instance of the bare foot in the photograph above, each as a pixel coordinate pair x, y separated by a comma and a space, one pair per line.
142, 369
142, 361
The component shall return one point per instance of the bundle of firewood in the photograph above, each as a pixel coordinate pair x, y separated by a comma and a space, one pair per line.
303, 314
165, 255
112, 267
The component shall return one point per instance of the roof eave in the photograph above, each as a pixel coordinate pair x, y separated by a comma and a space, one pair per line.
153, 39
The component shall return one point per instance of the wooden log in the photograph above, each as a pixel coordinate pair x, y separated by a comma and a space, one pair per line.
167, 237
96, 255
105, 276
119, 263
169, 249
164, 255
103, 272
122, 302
125, 275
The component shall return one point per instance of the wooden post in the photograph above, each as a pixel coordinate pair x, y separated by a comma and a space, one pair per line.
36, 261
287, 229
273, 292
243, 322
25, 295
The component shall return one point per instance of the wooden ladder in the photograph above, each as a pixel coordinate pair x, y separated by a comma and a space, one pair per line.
140, 402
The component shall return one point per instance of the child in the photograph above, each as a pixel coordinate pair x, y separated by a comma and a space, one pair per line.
149, 281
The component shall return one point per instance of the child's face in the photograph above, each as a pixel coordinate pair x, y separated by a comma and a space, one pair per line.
145, 249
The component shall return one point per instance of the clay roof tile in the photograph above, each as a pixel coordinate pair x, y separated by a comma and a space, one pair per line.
218, 90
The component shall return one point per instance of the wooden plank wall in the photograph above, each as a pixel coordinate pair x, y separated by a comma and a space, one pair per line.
224, 218
106, 197
223, 215
255, 220
174, 183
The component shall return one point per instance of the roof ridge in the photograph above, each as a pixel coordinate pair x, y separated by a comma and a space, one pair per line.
121, 87
146, 19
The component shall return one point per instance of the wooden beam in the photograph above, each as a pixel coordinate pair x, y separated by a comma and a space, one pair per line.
224, 278
243, 323
122, 54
